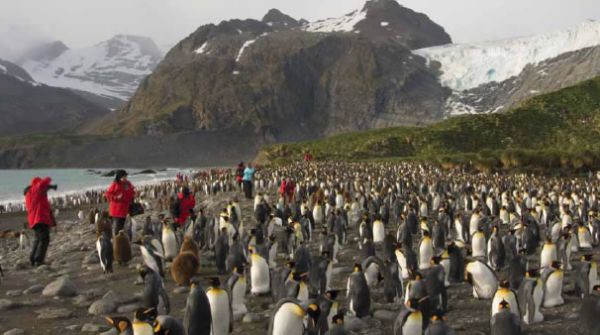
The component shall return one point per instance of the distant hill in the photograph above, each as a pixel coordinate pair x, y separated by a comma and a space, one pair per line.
28, 107
556, 130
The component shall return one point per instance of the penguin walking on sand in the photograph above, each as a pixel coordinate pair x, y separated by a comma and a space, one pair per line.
220, 308
531, 295
236, 284
505, 322
122, 248
553, 282
154, 294
410, 320
259, 273
105, 253
169, 241
287, 318
184, 268
483, 279
197, 318
359, 297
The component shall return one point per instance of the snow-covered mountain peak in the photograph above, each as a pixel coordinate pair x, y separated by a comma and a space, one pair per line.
113, 68
466, 66
345, 23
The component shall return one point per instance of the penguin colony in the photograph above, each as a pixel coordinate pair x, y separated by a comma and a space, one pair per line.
418, 232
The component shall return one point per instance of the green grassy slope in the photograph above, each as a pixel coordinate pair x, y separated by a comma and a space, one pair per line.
556, 130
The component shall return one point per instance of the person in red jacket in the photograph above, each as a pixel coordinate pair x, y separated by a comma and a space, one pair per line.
40, 217
187, 202
120, 195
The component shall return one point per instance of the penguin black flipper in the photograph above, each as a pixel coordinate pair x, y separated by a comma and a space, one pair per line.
401, 320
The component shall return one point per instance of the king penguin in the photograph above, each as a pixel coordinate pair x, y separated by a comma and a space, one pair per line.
220, 308
122, 325
184, 268
287, 318
505, 322
531, 294
478, 244
553, 283
359, 297
154, 294
410, 319
105, 253
505, 293
378, 231
549, 254
483, 279
236, 284
259, 273
197, 319
169, 241
425, 251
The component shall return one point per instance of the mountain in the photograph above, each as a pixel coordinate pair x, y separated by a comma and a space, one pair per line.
496, 76
111, 69
558, 130
288, 80
28, 107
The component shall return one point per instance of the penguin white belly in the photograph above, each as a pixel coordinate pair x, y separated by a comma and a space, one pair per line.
99, 249
413, 324
378, 232
318, 215
508, 296
459, 231
425, 254
479, 245
332, 312
238, 296
446, 265
553, 295
219, 310
593, 276
555, 232
484, 281
473, 224
328, 275
538, 296
402, 264
372, 274
302, 292
142, 328
286, 320
336, 249
585, 238
170, 244
548, 255
273, 255
259, 275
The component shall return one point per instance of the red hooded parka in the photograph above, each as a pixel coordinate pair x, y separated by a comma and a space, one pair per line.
36, 202
185, 205
120, 195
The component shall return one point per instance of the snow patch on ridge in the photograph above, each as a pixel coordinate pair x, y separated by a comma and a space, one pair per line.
202, 48
467, 66
244, 46
341, 24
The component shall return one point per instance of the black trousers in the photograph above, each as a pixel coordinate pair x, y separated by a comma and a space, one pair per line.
40, 244
118, 225
248, 189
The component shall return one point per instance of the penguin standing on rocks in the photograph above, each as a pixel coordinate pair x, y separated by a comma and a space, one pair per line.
504, 322
105, 253
154, 294
122, 248
220, 308
197, 319
359, 297
483, 279
287, 318
531, 295
236, 284
553, 283
184, 268
410, 320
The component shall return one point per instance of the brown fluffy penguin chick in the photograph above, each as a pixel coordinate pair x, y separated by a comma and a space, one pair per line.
122, 248
189, 245
184, 267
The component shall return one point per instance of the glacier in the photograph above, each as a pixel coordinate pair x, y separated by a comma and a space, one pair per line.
466, 66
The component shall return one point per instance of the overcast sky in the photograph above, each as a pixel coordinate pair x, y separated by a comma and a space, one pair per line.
86, 22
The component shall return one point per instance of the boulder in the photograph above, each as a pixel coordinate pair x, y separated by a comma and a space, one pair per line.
62, 287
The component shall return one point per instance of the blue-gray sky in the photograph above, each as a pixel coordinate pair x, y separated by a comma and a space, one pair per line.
85, 22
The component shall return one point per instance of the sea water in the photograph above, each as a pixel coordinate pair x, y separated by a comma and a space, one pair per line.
71, 181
